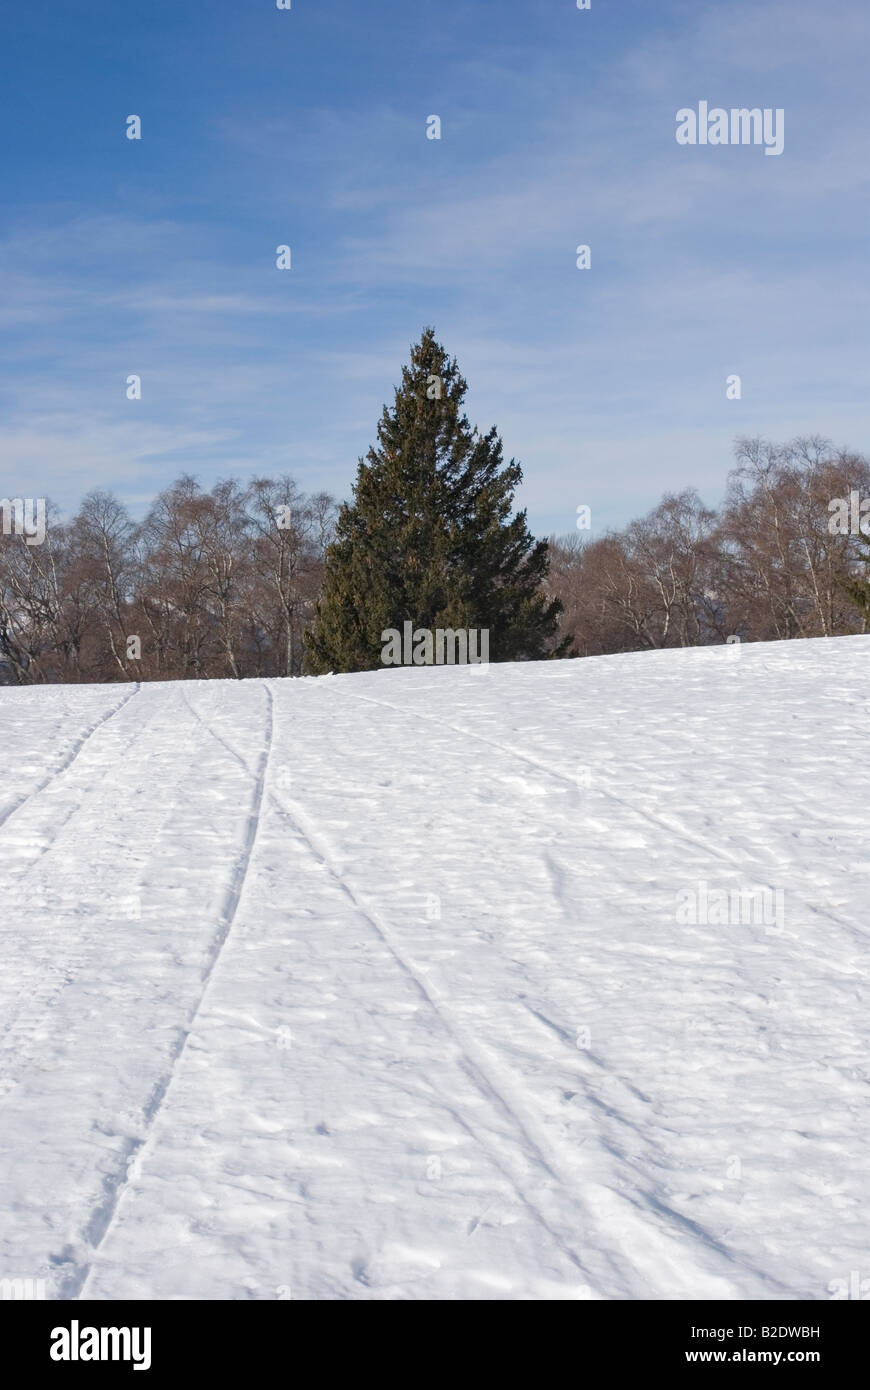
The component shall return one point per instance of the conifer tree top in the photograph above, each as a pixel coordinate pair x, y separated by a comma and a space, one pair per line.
429, 535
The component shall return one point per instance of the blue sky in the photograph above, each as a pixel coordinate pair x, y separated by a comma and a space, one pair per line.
308, 127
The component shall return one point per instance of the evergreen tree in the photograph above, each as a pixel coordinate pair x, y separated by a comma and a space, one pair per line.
429, 535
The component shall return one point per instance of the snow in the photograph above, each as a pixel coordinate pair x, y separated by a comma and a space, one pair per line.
374, 987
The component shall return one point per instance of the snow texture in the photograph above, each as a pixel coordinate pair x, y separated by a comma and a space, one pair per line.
378, 986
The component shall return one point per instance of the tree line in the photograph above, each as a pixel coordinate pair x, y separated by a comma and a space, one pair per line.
776, 561
211, 584
261, 579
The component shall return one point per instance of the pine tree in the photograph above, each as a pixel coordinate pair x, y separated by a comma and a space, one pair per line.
429, 535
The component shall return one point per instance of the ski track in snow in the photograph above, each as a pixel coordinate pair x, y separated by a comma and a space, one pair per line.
482, 1073
101, 1218
279, 1073
67, 760
610, 1203
40, 983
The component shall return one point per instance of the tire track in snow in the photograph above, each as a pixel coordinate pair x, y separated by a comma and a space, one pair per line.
652, 1244
655, 1231
495, 1084
657, 1250
91, 791
672, 828
625, 1210
49, 978
478, 1072
70, 758
133, 1152
215, 735
55, 965
853, 929
676, 829
474, 1069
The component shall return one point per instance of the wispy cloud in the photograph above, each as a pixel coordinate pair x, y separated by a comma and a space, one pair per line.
608, 384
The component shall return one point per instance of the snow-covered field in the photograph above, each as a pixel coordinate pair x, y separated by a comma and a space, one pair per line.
391, 986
